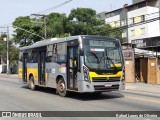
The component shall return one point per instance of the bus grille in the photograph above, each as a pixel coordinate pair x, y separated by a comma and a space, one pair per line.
105, 79
103, 88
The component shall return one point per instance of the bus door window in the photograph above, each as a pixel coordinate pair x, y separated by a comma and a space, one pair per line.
72, 66
24, 68
41, 67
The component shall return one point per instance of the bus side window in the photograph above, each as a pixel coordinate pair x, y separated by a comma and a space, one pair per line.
21, 57
32, 56
61, 53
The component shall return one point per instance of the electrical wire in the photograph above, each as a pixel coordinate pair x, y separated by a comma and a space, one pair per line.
53, 8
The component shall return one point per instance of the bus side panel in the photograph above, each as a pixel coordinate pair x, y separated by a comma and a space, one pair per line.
20, 71
32, 69
52, 71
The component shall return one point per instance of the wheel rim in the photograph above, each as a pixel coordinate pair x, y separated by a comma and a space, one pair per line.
32, 85
61, 87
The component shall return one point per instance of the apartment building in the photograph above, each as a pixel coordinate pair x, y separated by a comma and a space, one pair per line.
141, 28
137, 20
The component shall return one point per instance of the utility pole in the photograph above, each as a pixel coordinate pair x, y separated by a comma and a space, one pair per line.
44, 23
7, 50
45, 28
7, 41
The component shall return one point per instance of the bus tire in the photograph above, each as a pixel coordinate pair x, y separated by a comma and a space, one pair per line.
32, 86
98, 93
61, 88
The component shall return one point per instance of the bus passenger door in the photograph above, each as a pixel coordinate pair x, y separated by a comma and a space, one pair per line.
72, 67
24, 67
41, 67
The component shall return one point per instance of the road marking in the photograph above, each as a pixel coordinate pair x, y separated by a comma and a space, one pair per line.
143, 99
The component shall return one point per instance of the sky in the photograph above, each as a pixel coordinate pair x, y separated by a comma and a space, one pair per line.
11, 9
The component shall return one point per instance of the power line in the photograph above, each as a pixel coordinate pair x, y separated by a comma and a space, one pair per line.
28, 32
53, 8
45, 11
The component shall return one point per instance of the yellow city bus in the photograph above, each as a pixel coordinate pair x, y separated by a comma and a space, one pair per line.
84, 64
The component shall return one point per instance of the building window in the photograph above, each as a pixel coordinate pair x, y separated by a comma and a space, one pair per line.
142, 18
138, 19
130, 21
132, 32
142, 31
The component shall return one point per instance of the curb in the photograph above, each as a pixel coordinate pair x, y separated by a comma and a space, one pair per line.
143, 91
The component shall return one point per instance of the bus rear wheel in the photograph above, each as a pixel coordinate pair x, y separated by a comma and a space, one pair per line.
61, 88
32, 86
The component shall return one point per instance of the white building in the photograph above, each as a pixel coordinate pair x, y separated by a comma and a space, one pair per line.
139, 20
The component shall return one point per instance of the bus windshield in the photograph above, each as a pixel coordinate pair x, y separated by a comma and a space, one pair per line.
102, 53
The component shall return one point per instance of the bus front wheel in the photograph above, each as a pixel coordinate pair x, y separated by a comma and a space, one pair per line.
61, 88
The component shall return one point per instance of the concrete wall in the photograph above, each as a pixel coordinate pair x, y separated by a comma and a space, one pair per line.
153, 27
137, 13
112, 20
3, 68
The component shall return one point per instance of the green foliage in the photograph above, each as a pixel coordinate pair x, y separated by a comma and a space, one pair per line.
13, 51
56, 25
2, 37
81, 21
84, 15
2, 46
25, 38
13, 55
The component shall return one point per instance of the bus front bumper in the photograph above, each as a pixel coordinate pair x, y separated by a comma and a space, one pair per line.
86, 86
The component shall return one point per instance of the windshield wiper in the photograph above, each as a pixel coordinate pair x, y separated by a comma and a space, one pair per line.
98, 61
95, 56
108, 58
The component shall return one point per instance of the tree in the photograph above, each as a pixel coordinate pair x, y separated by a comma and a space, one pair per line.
3, 36
81, 21
13, 55
2, 44
84, 21
56, 25
25, 38
13, 51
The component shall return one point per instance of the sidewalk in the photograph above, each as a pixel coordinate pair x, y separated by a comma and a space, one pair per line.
13, 76
143, 87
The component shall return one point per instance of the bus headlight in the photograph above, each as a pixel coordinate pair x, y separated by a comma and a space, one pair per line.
86, 73
123, 74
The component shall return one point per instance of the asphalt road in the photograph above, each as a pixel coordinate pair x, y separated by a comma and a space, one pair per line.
17, 97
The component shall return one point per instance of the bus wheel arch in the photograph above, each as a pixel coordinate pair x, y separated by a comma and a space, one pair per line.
61, 86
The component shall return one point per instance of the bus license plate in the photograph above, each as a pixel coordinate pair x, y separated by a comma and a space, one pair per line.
108, 85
